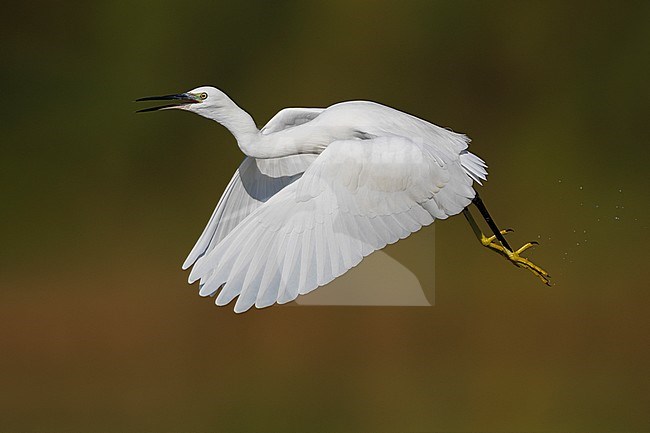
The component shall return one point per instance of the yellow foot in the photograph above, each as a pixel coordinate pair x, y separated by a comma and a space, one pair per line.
514, 256
487, 241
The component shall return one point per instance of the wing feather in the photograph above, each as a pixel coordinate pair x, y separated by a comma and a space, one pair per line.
254, 182
357, 197
290, 117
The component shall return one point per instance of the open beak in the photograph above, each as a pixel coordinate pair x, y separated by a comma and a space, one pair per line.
180, 100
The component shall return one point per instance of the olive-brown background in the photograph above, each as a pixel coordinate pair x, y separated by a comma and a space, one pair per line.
99, 331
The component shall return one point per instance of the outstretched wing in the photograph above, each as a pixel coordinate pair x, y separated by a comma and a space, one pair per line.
358, 196
254, 182
289, 117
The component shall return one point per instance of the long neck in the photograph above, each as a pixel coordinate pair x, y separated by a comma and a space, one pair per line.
249, 139
240, 124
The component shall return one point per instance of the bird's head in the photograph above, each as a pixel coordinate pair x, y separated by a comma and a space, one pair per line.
206, 101
212, 104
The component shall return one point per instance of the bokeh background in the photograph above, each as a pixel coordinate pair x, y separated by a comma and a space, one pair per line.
99, 330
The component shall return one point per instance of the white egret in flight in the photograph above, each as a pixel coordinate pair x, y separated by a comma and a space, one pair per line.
320, 189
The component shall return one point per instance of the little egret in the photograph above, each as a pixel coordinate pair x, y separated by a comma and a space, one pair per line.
320, 189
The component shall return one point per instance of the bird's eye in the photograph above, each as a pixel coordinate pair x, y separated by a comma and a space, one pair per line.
203, 95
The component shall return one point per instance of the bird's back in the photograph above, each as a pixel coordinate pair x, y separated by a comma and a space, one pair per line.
366, 119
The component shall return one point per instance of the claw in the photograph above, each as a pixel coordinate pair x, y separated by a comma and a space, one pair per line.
487, 241
517, 260
502, 247
526, 246
522, 262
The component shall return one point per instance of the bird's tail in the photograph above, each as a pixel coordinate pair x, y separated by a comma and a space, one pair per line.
473, 166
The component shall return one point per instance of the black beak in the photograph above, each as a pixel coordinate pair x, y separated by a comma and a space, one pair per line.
180, 99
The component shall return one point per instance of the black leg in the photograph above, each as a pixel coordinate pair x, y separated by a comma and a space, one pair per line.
488, 219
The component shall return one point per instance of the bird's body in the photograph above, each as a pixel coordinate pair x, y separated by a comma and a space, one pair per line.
320, 189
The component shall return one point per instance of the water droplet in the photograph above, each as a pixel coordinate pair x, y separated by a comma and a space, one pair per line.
597, 206
559, 181
578, 243
616, 218
620, 190
580, 187
580, 204
584, 231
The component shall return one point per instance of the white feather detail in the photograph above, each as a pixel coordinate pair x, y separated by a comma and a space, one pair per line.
254, 182
323, 224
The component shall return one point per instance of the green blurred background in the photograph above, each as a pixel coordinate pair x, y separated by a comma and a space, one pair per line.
99, 330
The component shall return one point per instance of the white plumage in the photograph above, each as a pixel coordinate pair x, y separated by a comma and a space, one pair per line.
319, 190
